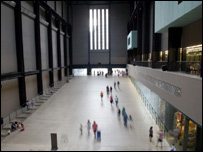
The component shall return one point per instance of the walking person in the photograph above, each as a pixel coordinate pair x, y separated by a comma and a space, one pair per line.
160, 138
116, 100
125, 119
119, 112
94, 127
131, 121
111, 89
111, 100
123, 112
101, 94
114, 84
150, 134
107, 89
33, 104
28, 105
81, 129
173, 147
88, 126
118, 83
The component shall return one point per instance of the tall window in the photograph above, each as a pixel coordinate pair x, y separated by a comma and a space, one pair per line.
99, 29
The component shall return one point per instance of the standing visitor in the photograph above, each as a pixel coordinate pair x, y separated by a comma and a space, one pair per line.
160, 138
88, 126
150, 134
116, 100
118, 83
114, 84
101, 94
94, 127
111, 100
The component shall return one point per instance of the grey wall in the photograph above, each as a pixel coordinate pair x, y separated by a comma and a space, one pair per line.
192, 34
119, 15
10, 93
190, 101
29, 43
54, 43
31, 86
8, 50
9, 97
80, 34
164, 41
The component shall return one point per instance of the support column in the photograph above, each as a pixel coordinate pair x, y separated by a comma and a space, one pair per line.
59, 48
174, 43
19, 52
38, 48
65, 49
50, 49
156, 49
185, 138
139, 29
198, 146
146, 30
70, 50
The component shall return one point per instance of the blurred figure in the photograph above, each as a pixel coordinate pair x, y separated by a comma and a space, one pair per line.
131, 121
33, 104
176, 133
150, 134
123, 112
199, 68
88, 126
81, 129
118, 83
9, 131
27, 104
94, 127
101, 94
111, 89
107, 89
22, 127
119, 112
116, 100
160, 138
114, 84
13, 126
172, 147
111, 100
125, 119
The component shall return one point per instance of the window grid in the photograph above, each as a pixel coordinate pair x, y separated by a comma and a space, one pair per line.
99, 29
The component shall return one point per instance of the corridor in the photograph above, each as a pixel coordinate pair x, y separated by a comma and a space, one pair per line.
75, 103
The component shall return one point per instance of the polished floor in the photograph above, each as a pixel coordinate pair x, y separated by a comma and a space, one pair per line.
75, 103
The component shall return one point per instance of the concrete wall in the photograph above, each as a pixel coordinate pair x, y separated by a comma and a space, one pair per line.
8, 50
10, 90
192, 34
164, 41
169, 12
119, 15
190, 101
10, 100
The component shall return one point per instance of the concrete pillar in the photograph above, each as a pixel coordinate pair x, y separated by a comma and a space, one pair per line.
185, 136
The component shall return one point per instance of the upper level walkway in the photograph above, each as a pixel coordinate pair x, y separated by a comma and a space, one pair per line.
75, 103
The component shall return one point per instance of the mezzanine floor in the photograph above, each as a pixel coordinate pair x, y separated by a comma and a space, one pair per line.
75, 103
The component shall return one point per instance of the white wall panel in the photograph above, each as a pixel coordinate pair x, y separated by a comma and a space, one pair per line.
45, 78
31, 86
54, 43
10, 100
44, 46
29, 43
62, 50
8, 41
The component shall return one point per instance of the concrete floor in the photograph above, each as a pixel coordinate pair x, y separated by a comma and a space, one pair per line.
75, 103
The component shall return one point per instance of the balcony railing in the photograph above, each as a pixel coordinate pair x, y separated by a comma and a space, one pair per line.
187, 67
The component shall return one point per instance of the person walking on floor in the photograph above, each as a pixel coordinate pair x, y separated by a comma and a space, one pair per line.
88, 126
94, 127
123, 112
119, 112
101, 94
116, 100
81, 129
107, 90
114, 84
160, 138
150, 134
111, 100
131, 121
118, 83
111, 89
125, 119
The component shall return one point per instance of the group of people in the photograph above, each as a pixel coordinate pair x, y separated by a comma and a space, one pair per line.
15, 126
94, 127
